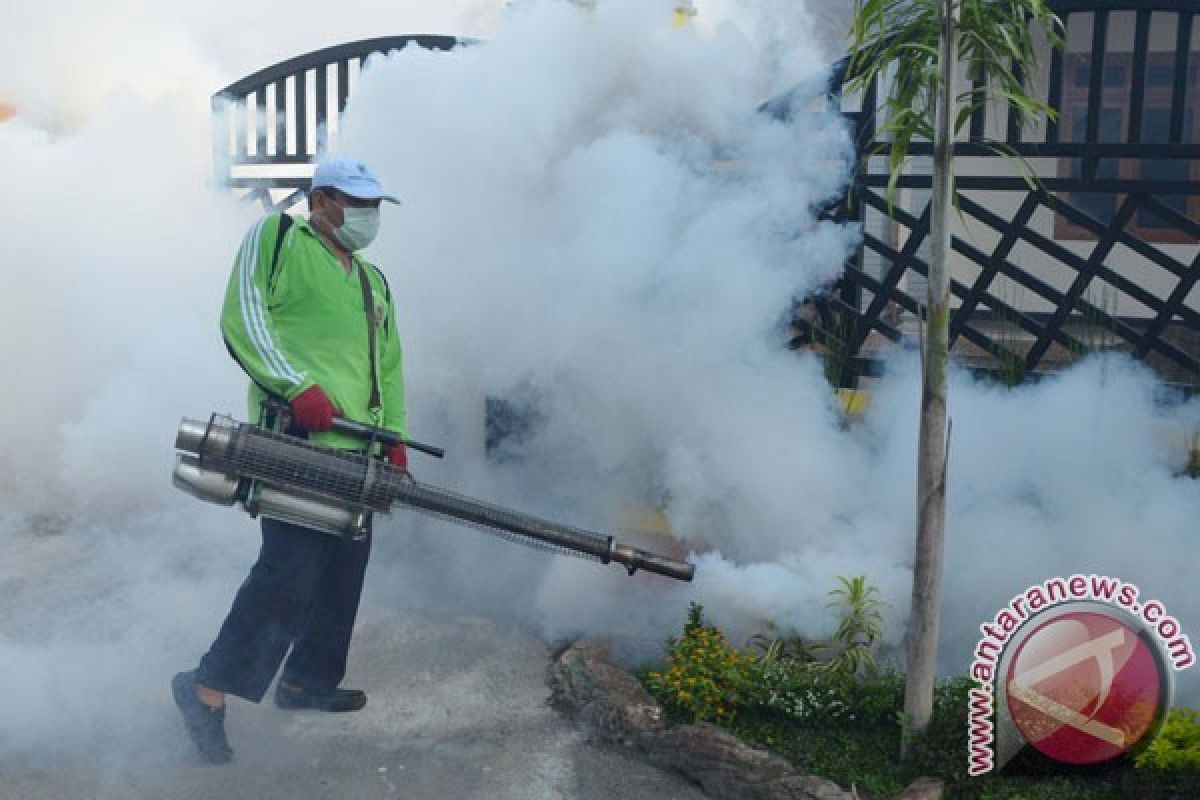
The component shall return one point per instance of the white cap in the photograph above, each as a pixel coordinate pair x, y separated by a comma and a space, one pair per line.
350, 176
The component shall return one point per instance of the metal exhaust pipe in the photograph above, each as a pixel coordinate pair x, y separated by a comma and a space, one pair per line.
206, 484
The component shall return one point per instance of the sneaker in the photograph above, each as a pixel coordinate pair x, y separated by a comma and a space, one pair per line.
293, 698
205, 724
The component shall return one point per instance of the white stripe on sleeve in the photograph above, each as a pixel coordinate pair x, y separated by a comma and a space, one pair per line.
253, 316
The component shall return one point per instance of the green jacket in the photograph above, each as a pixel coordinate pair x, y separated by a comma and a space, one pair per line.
303, 322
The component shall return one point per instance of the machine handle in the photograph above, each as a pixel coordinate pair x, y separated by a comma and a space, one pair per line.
363, 430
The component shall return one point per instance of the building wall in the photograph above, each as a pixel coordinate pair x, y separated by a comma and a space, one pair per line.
1122, 260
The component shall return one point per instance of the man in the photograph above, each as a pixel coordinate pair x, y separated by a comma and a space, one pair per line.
312, 324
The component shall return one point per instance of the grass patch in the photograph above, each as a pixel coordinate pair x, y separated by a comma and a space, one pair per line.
865, 757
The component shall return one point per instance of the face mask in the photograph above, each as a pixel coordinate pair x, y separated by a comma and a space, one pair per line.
359, 228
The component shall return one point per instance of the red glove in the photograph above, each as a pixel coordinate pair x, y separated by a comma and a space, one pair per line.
312, 410
397, 456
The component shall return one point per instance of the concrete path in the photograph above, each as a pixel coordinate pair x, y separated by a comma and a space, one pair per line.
457, 705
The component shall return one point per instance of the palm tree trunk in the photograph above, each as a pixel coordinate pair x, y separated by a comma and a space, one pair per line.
931, 455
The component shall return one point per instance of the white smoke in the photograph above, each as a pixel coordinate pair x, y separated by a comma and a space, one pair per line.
65, 61
596, 216
596, 225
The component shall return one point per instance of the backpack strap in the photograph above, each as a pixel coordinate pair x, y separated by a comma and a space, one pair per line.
369, 308
387, 293
285, 222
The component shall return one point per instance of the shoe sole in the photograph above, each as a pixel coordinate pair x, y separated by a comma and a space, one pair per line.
344, 707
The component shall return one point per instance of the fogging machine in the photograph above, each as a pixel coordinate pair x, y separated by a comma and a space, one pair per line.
336, 491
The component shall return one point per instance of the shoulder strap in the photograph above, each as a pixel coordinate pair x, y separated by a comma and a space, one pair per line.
387, 292
285, 222
369, 307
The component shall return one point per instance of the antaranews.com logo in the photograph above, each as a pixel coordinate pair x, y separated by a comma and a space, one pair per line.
1078, 668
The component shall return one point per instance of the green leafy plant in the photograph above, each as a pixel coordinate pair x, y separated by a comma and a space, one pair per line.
1177, 746
859, 628
800, 692
1010, 367
850, 650
773, 647
897, 40
1010, 360
838, 679
705, 678
1094, 333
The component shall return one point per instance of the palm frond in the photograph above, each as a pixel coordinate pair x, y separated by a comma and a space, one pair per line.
895, 48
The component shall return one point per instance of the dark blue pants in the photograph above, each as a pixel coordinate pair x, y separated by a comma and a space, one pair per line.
302, 592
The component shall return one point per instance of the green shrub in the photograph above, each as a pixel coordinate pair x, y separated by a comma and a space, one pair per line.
799, 691
705, 678
772, 647
841, 723
951, 698
1177, 746
860, 626
850, 651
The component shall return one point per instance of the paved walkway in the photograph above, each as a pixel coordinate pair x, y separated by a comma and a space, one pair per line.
457, 703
